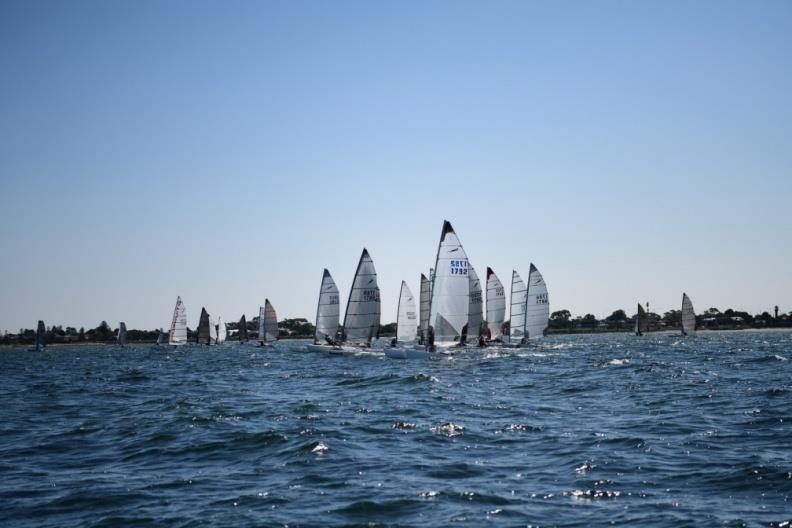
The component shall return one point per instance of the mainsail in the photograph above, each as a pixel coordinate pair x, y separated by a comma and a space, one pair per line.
517, 309
362, 317
496, 305
41, 336
406, 319
204, 332
475, 304
242, 331
327, 310
448, 311
122, 334
537, 306
425, 300
222, 331
178, 329
641, 324
161, 338
270, 323
688, 316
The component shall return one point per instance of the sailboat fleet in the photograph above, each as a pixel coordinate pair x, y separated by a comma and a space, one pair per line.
450, 313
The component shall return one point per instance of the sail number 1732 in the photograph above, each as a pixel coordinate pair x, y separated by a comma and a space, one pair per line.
459, 267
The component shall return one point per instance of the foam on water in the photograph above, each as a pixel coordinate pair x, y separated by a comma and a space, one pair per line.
578, 430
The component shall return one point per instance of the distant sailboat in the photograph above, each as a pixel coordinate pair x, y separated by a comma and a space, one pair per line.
122, 334
475, 305
688, 316
327, 313
406, 318
242, 331
178, 329
496, 306
537, 305
41, 336
425, 300
268, 324
362, 317
449, 307
641, 323
161, 338
222, 331
517, 310
212, 331
204, 328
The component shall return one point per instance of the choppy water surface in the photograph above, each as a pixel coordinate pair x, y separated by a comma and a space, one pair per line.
581, 430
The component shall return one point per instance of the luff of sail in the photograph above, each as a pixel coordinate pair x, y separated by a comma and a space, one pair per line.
475, 306
212, 331
270, 322
41, 335
122, 334
361, 320
496, 306
537, 305
448, 311
327, 310
425, 300
204, 332
688, 316
242, 331
178, 330
517, 309
406, 318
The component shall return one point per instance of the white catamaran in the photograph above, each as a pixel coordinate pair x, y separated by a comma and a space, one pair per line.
537, 305
268, 325
362, 317
496, 307
688, 316
178, 330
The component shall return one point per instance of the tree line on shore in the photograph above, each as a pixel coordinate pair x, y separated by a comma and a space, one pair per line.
561, 321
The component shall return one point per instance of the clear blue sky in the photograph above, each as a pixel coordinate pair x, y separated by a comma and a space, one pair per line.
229, 151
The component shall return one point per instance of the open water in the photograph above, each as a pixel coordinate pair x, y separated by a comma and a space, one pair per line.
578, 431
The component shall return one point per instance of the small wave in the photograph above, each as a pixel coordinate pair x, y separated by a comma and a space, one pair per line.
593, 494
367, 508
585, 468
403, 425
448, 429
319, 448
520, 428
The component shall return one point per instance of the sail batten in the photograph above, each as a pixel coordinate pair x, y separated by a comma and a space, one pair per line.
178, 329
362, 316
448, 311
406, 318
327, 310
517, 309
537, 305
688, 316
496, 306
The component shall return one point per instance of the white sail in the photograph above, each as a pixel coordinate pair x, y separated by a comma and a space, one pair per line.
327, 311
361, 320
448, 312
212, 331
425, 300
222, 331
41, 336
122, 334
178, 329
262, 317
161, 338
537, 305
475, 304
270, 322
517, 309
406, 318
688, 316
496, 305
